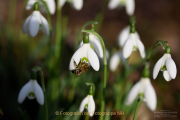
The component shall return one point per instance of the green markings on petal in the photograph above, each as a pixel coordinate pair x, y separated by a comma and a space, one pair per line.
163, 68
31, 95
86, 106
123, 2
134, 48
84, 59
92, 47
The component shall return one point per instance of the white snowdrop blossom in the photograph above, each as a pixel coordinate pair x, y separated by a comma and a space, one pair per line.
133, 43
89, 104
167, 65
31, 90
129, 5
50, 4
86, 54
116, 58
143, 87
77, 4
35, 22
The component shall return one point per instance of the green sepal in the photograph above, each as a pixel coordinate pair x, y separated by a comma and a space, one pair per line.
91, 91
132, 28
146, 72
33, 75
168, 50
36, 6
86, 39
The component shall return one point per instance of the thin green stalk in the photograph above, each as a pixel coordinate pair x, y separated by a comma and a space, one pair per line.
105, 69
58, 33
137, 107
87, 117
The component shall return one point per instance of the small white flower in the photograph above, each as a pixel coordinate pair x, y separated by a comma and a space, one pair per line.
86, 54
50, 3
31, 90
129, 5
115, 60
89, 104
167, 65
143, 87
133, 43
35, 22
77, 4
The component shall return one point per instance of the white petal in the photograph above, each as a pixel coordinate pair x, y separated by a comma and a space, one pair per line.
34, 24
166, 75
171, 67
51, 6
30, 4
150, 96
26, 24
93, 59
80, 44
137, 35
157, 67
114, 61
83, 103
91, 106
141, 48
96, 44
76, 57
45, 25
78, 4
38, 93
123, 36
130, 7
128, 47
61, 3
133, 93
113, 4
24, 92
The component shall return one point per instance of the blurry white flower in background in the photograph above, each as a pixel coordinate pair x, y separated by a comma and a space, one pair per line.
77, 4
31, 90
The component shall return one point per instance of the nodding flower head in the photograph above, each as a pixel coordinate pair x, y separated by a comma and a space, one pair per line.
86, 54
167, 65
77, 4
129, 5
35, 22
31, 90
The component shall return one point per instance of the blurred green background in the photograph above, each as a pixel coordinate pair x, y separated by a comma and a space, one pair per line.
19, 53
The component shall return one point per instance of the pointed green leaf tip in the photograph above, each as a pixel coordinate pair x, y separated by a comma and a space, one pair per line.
36, 6
86, 39
168, 50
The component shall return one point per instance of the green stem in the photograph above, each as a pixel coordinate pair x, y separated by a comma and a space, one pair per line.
58, 33
105, 68
87, 117
137, 107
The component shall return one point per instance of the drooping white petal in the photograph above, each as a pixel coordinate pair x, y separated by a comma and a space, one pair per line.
123, 36
34, 24
80, 44
133, 93
93, 59
38, 93
166, 75
150, 96
137, 35
96, 44
24, 92
130, 7
76, 57
83, 103
30, 4
26, 24
157, 67
171, 67
114, 61
77, 4
51, 6
45, 25
141, 48
91, 106
113, 4
128, 47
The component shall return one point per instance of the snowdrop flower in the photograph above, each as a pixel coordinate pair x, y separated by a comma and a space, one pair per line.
88, 103
115, 60
132, 44
31, 90
167, 65
50, 4
143, 87
77, 4
35, 22
86, 54
129, 5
